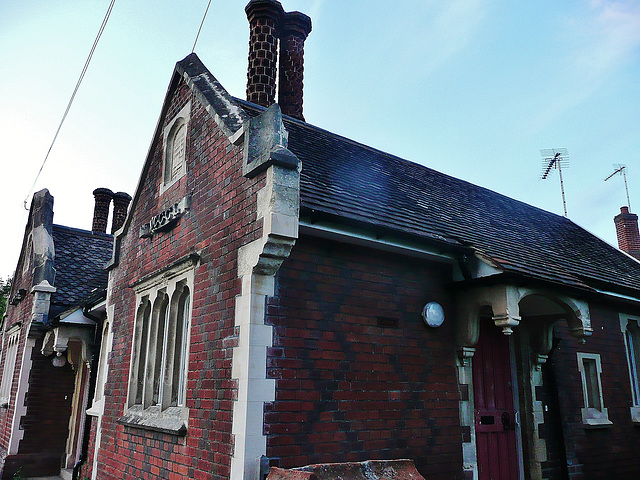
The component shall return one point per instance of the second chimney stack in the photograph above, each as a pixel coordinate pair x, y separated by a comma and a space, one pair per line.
294, 31
120, 204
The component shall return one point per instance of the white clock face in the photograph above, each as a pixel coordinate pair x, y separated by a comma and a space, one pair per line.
433, 314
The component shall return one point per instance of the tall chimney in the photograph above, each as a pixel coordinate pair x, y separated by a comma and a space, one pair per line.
293, 32
103, 198
120, 204
264, 20
627, 232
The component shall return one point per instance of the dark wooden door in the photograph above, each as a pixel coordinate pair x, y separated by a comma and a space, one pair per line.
494, 411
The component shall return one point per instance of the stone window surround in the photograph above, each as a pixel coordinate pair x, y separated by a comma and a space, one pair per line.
592, 417
182, 118
12, 339
106, 343
633, 365
165, 418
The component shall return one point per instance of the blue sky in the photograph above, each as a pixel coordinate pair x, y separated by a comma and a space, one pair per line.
472, 88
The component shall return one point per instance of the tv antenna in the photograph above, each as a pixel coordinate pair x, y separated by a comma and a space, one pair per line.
622, 170
555, 158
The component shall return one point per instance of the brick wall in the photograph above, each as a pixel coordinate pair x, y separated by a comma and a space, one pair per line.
358, 374
222, 218
601, 453
15, 313
46, 422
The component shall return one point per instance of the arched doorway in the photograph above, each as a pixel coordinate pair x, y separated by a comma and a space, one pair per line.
505, 336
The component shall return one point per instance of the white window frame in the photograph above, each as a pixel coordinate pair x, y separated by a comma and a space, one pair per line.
12, 339
627, 326
173, 169
106, 344
156, 397
594, 413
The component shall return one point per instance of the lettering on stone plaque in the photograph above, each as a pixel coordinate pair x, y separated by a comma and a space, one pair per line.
167, 219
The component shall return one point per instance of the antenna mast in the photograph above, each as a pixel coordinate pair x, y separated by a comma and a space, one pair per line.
621, 169
555, 158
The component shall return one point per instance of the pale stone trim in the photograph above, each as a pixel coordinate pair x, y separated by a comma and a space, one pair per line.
183, 116
97, 407
634, 410
258, 262
12, 340
592, 417
466, 410
20, 408
161, 417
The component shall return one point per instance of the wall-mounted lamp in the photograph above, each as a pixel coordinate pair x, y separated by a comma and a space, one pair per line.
433, 314
59, 360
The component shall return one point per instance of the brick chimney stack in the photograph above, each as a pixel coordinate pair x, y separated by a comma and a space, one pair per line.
627, 232
264, 20
294, 30
120, 205
103, 198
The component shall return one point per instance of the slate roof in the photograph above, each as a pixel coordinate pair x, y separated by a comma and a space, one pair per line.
80, 257
344, 179
349, 182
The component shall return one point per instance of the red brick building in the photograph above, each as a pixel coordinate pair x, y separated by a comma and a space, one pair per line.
56, 305
280, 295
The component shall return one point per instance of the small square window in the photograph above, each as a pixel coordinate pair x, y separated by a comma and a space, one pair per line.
594, 414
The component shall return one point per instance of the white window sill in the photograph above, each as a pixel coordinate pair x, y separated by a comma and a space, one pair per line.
172, 420
593, 418
97, 409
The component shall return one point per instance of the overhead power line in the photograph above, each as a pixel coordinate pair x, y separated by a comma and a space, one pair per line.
73, 95
199, 29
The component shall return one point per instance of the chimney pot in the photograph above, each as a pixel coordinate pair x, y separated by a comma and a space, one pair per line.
264, 20
295, 28
121, 202
103, 198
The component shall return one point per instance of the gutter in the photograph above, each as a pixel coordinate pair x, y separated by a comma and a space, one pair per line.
387, 242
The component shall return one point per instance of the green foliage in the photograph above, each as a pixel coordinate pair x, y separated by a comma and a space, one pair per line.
5, 288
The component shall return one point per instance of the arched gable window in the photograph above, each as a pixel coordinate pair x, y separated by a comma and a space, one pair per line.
175, 148
175, 154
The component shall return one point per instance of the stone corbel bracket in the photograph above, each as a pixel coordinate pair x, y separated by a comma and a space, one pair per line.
57, 341
278, 205
503, 300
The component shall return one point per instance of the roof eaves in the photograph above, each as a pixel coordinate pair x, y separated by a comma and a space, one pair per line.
229, 116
